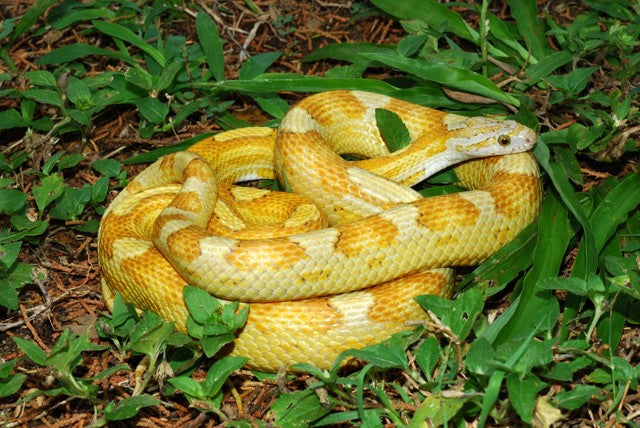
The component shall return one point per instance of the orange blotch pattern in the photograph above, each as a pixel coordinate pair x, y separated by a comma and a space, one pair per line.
306, 317
386, 296
188, 201
442, 212
183, 243
511, 190
372, 232
251, 255
325, 112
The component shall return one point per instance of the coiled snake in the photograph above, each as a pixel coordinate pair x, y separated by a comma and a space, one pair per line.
338, 265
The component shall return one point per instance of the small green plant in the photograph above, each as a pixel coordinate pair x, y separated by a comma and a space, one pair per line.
65, 356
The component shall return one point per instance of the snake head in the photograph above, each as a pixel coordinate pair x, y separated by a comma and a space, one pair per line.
482, 136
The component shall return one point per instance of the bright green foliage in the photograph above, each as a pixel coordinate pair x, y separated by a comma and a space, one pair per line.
211, 322
63, 359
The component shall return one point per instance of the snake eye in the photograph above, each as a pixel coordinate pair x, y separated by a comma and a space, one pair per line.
504, 140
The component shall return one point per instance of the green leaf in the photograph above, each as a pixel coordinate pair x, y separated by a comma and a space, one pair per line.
480, 357
257, 64
29, 18
387, 354
614, 208
200, 303
573, 82
547, 257
79, 93
547, 65
536, 354
152, 109
12, 200
69, 161
434, 14
525, 13
31, 350
523, 393
139, 77
427, 355
392, 129
11, 119
74, 16
576, 397
501, 32
150, 334
72, 203
273, 104
11, 385
130, 406
439, 410
211, 43
168, 76
117, 30
79, 50
220, 371
458, 314
99, 190
41, 78
447, 75
347, 51
188, 386
9, 254
299, 409
50, 188
411, 44
107, 167
44, 96
8, 295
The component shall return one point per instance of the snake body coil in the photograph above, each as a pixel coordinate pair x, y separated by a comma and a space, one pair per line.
336, 264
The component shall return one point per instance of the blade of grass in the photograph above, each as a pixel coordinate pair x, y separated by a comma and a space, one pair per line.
499, 30
78, 50
547, 65
211, 44
29, 18
452, 77
347, 51
282, 82
525, 13
554, 234
123, 33
432, 13
562, 185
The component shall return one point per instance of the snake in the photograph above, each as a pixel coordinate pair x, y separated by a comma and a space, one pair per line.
334, 262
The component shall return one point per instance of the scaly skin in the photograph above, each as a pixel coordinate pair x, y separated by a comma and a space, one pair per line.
339, 272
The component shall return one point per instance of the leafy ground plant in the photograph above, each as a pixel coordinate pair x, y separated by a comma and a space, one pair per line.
545, 333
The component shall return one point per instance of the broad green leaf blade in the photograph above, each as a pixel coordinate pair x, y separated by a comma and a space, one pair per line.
220, 371
31, 350
554, 233
29, 18
432, 13
525, 12
78, 50
444, 74
257, 64
123, 33
299, 409
347, 51
393, 130
130, 406
211, 43
614, 208
547, 65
